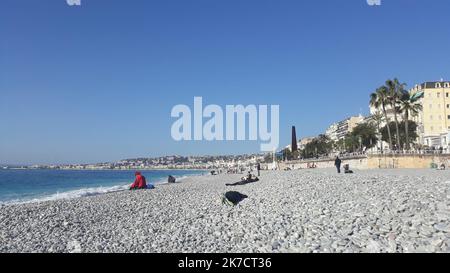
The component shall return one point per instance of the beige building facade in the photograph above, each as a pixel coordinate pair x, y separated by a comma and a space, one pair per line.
434, 119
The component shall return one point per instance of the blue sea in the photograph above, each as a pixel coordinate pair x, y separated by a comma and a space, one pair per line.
20, 186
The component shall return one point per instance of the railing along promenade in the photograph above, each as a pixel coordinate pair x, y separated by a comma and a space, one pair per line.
361, 155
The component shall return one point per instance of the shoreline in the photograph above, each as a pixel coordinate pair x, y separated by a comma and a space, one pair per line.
45, 200
90, 191
295, 211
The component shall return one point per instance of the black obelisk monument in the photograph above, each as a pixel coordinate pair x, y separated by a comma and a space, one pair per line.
294, 147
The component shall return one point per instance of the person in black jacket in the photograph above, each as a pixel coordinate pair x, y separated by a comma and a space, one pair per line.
337, 163
171, 179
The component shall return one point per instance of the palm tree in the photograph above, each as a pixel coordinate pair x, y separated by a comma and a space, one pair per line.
395, 91
409, 107
378, 117
380, 98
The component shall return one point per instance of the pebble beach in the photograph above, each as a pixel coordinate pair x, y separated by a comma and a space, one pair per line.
316, 211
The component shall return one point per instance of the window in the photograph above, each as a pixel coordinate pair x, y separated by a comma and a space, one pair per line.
446, 94
447, 85
448, 106
438, 94
448, 116
438, 85
431, 117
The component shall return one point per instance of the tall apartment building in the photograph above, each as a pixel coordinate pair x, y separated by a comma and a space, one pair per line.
434, 119
339, 130
331, 132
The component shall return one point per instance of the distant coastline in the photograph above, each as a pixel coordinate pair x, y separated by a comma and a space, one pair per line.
174, 162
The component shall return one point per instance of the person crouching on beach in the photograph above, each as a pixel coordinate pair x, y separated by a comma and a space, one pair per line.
139, 182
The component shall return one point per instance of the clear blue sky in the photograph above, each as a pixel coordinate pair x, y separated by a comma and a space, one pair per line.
97, 82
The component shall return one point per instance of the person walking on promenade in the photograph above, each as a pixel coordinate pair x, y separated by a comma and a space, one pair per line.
337, 163
258, 167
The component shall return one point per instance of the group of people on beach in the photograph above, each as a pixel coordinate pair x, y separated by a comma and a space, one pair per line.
140, 182
231, 198
238, 170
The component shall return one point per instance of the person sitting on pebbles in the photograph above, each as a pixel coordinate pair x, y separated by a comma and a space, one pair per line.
347, 169
139, 182
171, 179
249, 178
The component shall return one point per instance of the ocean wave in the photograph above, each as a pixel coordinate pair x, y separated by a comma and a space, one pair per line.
83, 192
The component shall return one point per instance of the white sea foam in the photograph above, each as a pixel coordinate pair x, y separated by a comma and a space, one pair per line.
70, 194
